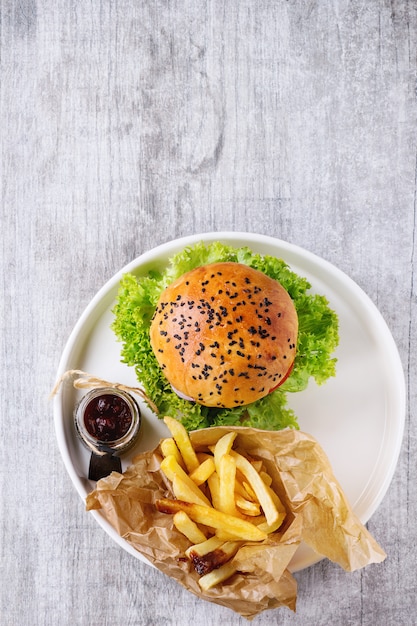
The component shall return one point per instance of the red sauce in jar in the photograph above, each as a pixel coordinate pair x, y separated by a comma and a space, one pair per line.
107, 417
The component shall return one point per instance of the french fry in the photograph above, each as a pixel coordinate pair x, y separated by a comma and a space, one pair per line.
277, 501
227, 477
183, 490
266, 478
211, 554
204, 547
217, 576
169, 448
271, 528
257, 484
203, 471
182, 483
241, 491
214, 487
225, 535
238, 528
248, 507
187, 527
222, 447
250, 491
183, 442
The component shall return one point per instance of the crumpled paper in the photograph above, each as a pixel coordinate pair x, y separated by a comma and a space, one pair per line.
318, 514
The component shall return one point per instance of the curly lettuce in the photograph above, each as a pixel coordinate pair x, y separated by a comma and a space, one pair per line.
317, 339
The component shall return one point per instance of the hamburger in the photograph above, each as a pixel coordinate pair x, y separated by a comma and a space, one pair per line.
225, 334
222, 335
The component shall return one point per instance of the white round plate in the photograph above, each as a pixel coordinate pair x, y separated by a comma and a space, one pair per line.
357, 417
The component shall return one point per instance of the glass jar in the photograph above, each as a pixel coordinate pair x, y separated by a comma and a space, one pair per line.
108, 419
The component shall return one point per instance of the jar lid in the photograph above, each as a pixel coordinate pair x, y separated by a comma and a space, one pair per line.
107, 420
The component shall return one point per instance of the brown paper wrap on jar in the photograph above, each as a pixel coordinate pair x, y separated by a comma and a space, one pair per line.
318, 515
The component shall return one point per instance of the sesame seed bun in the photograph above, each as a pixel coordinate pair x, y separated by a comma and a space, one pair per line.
225, 334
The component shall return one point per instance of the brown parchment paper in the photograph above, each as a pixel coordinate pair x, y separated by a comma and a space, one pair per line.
318, 514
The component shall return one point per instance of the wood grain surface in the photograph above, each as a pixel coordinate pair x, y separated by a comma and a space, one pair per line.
127, 124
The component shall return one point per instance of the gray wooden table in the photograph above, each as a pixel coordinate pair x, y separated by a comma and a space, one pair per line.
127, 124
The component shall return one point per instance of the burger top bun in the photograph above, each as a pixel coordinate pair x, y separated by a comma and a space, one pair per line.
225, 334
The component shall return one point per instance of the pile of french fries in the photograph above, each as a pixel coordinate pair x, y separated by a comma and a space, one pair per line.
223, 499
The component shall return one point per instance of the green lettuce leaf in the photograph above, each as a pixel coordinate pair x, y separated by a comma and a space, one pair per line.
317, 339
